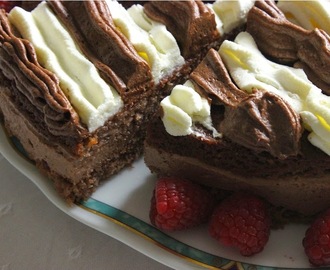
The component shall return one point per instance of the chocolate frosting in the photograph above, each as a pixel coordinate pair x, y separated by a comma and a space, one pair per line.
286, 42
216, 82
191, 23
264, 122
261, 121
38, 89
91, 25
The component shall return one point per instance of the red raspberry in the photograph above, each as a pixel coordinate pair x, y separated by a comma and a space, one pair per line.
317, 240
8, 5
179, 204
242, 221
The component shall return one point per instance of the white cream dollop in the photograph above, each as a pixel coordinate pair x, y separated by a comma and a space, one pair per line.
183, 108
307, 14
94, 100
151, 40
230, 14
251, 70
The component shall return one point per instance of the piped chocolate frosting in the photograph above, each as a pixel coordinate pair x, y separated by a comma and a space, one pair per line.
191, 23
261, 121
38, 92
91, 24
288, 43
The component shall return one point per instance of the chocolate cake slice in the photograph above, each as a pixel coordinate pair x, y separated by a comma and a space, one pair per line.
77, 90
244, 121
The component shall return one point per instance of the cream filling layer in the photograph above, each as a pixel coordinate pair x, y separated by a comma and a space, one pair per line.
93, 99
151, 40
251, 70
307, 14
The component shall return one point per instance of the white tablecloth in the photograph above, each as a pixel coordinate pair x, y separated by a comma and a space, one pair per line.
34, 234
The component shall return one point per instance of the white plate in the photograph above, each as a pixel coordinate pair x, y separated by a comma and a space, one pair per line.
120, 207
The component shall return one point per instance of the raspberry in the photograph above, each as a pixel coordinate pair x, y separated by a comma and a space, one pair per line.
179, 204
317, 240
8, 5
242, 221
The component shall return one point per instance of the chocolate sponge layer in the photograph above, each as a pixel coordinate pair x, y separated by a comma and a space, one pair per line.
300, 183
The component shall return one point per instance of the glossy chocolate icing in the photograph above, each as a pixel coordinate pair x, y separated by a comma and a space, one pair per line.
286, 42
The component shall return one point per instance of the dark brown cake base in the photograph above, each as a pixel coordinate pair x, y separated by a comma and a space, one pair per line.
301, 184
76, 177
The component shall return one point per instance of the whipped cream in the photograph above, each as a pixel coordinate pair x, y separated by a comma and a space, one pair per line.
251, 70
93, 99
308, 14
230, 14
151, 39
183, 108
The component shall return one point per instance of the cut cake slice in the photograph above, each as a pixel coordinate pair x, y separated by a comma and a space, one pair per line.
78, 93
245, 123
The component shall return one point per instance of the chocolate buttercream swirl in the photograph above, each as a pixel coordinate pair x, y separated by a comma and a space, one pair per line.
288, 43
91, 25
261, 121
264, 121
37, 88
216, 82
190, 22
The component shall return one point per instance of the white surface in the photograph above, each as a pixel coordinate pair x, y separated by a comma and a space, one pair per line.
35, 234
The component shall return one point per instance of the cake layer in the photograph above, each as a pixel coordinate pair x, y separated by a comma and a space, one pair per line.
289, 193
299, 183
102, 155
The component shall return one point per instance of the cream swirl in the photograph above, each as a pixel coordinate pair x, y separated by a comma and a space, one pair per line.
308, 14
230, 14
183, 108
151, 39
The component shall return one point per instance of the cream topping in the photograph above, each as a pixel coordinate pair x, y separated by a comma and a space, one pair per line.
94, 100
183, 108
308, 14
230, 14
251, 70
151, 40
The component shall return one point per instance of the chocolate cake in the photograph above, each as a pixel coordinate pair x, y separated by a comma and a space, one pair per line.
253, 116
78, 86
